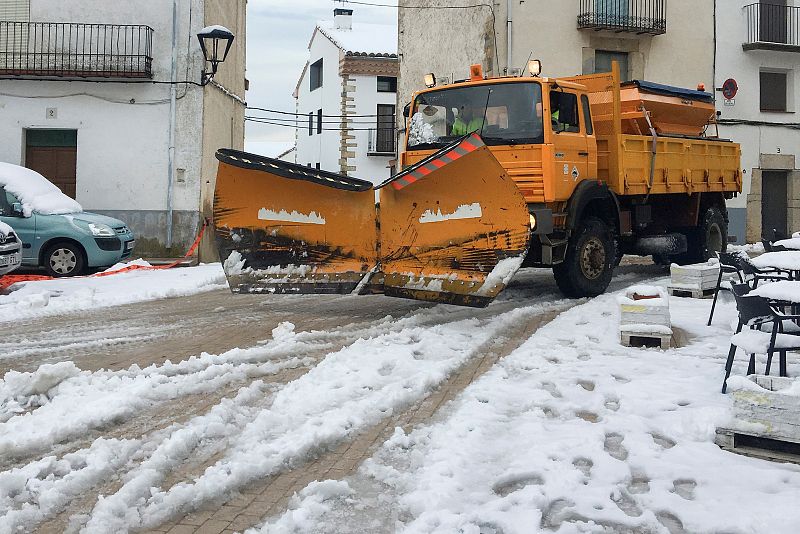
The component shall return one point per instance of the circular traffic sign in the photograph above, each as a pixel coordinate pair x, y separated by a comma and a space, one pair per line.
730, 88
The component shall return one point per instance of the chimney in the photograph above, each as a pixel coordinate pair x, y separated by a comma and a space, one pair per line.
343, 19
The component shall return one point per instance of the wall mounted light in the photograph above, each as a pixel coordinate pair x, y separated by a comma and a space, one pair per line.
215, 42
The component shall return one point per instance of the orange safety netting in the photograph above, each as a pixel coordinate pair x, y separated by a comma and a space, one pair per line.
9, 279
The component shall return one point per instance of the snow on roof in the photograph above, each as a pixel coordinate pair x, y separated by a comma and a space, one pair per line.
35, 191
5, 229
364, 38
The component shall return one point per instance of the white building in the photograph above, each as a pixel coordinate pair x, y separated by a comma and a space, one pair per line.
758, 46
346, 97
86, 93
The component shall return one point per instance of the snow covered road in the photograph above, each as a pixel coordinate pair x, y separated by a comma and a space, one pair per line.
210, 411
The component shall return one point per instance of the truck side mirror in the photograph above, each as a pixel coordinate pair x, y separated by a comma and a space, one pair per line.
407, 110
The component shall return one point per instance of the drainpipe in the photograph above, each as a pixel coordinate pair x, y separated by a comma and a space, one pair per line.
509, 61
172, 119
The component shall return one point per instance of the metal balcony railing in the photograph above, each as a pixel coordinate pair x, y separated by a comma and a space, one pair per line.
74, 50
772, 27
382, 141
632, 16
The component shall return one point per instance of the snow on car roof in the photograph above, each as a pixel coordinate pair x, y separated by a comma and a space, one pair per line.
378, 39
5, 229
35, 191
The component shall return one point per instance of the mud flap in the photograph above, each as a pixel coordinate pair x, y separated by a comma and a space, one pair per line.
454, 228
285, 228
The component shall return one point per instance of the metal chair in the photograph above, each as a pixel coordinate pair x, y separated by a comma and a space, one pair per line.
755, 312
753, 274
727, 265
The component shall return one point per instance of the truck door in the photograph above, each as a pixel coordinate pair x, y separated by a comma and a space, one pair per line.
569, 142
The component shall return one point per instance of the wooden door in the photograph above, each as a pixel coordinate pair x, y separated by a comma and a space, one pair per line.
773, 21
53, 154
774, 205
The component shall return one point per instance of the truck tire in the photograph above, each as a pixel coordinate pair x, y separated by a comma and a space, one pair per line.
64, 259
710, 237
588, 264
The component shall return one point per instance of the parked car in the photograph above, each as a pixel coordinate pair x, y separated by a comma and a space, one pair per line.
10, 249
54, 230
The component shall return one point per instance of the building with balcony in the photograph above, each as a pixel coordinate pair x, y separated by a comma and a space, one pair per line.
665, 41
346, 98
758, 48
103, 98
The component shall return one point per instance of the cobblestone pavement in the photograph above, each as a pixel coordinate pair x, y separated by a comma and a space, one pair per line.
214, 322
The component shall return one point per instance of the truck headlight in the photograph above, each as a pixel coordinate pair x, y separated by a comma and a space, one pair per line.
533, 221
101, 230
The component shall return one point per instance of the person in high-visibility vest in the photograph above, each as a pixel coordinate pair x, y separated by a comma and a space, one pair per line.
466, 122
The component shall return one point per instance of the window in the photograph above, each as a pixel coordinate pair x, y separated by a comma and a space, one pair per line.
6, 201
319, 121
604, 58
564, 112
387, 84
311, 123
315, 74
317, 166
512, 111
384, 137
773, 91
587, 115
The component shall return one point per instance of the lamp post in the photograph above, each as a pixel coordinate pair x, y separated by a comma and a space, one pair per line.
215, 42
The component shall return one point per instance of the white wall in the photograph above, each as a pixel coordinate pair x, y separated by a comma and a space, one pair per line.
122, 127
320, 148
367, 98
745, 67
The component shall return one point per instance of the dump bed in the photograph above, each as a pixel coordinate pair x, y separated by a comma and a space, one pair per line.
684, 161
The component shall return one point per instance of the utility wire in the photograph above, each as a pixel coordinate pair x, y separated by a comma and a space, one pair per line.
314, 127
301, 120
306, 114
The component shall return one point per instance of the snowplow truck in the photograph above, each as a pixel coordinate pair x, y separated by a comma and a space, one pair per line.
497, 174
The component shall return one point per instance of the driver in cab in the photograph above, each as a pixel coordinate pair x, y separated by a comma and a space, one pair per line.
468, 120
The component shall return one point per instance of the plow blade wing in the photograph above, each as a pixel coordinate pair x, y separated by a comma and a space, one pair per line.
285, 228
454, 228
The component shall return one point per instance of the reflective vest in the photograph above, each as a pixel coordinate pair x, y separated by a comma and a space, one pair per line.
462, 128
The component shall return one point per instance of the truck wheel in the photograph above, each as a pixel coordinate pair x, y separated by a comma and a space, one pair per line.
64, 259
710, 237
588, 264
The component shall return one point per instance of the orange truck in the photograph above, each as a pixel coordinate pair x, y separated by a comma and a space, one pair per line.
497, 173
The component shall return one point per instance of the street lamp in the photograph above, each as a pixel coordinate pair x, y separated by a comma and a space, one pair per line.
215, 42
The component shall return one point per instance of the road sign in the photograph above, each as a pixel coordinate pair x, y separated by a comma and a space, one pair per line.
729, 89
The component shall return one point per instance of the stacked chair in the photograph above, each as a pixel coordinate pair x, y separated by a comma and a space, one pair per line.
756, 313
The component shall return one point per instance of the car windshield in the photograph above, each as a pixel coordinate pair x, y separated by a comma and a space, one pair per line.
504, 114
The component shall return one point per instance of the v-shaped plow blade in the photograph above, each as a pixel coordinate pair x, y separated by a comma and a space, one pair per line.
453, 228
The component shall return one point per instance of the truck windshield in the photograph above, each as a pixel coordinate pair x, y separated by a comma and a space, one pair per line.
513, 115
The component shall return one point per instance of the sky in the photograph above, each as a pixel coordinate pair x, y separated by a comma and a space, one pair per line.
278, 32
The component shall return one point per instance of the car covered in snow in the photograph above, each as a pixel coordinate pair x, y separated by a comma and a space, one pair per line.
10, 249
54, 230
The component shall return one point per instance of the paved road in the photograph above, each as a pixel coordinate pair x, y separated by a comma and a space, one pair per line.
214, 322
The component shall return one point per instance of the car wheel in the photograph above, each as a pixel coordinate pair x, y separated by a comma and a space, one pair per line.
64, 259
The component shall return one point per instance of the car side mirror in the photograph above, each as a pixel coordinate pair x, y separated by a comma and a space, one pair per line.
16, 209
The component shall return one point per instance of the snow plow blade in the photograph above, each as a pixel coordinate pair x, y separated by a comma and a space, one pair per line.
454, 228
286, 228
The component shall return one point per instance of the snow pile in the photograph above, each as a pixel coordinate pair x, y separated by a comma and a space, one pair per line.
501, 275
16, 384
67, 295
122, 265
750, 248
308, 509
36, 192
5, 229
574, 433
420, 132
791, 243
787, 259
